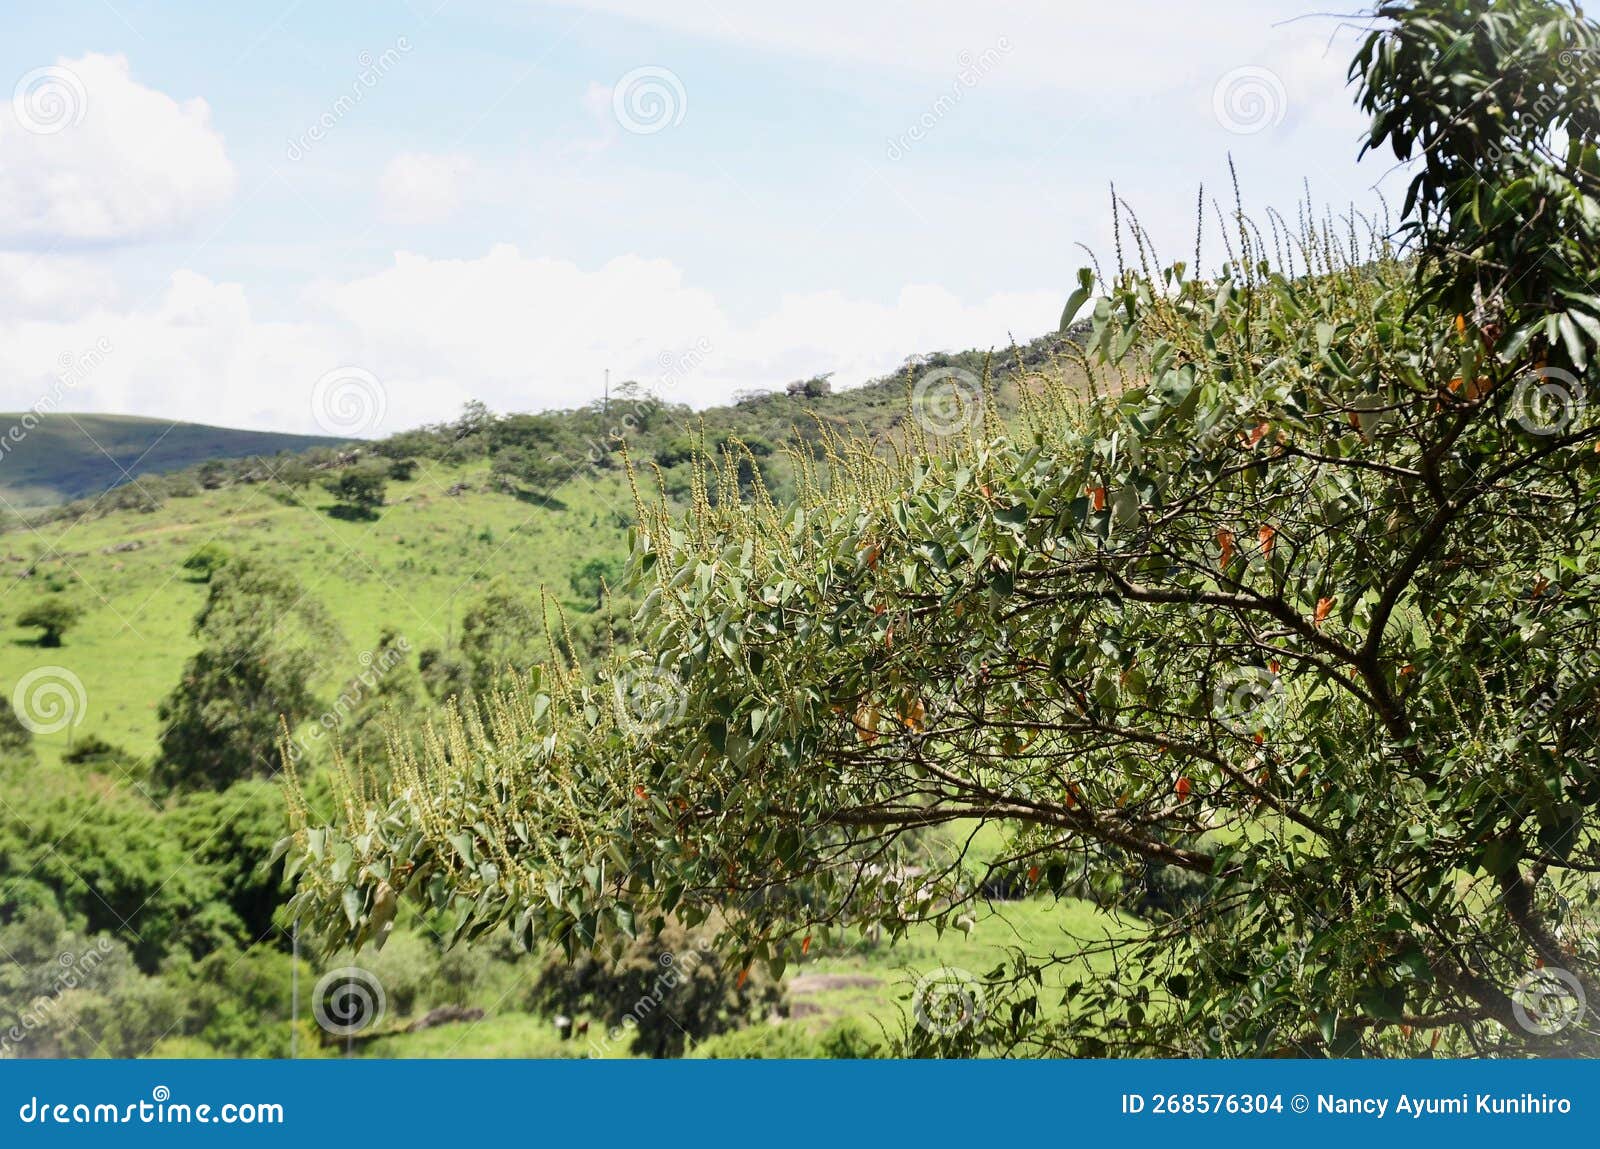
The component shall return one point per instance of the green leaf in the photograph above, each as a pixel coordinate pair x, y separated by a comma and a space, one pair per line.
1078, 298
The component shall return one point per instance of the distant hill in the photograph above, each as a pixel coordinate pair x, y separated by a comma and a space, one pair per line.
69, 457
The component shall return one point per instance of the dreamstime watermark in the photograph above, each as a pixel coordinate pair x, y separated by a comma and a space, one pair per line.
947, 1000
71, 370
648, 699
348, 1000
1547, 1001
947, 400
676, 366
1249, 1003
374, 668
1249, 100
971, 71
49, 699
49, 100
72, 971
373, 70
349, 401
1248, 699
648, 100
675, 968
1572, 63
159, 1110
1546, 401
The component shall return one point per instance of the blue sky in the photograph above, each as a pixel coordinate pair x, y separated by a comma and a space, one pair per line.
236, 203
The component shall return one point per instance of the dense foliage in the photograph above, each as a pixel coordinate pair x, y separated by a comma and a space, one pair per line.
261, 638
1300, 603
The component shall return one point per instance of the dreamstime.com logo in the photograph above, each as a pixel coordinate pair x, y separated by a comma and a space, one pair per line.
648, 699
348, 1000
49, 699
948, 1000
947, 400
1247, 699
49, 100
349, 401
1546, 401
159, 1109
649, 100
1249, 100
1547, 1001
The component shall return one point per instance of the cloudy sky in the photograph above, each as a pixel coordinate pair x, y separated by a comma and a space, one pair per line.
302, 216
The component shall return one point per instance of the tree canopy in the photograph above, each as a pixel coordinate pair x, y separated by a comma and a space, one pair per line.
1300, 601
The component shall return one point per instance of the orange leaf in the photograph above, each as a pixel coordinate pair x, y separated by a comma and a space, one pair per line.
744, 976
1259, 433
805, 946
867, 724
1033, 873
1265, 534
639, 793
1225, 541
1098, 495
1461, 324
1324, 606
1182, 788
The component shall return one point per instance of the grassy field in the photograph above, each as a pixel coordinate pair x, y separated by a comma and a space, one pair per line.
413, 568
869, 983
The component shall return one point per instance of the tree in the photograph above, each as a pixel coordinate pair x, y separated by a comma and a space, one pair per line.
590, 579
53, 616
814, 388
359, 489
16, 740
657, 994
534, 453
205, 561
501, 631
1302, 602
262, 641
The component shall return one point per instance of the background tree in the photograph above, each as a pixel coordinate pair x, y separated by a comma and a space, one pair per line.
16, 740
1302, 601
205, 561
590, 579
359, 489
663, 991
501, 631
262, 643
53, 616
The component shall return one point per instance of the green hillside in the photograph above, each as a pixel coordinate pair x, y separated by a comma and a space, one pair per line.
491, 540
473, 511
69, 456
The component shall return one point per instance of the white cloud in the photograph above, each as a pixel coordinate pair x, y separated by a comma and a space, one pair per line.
1101, 52
421, 188
519, 332
37, 284
92, 156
